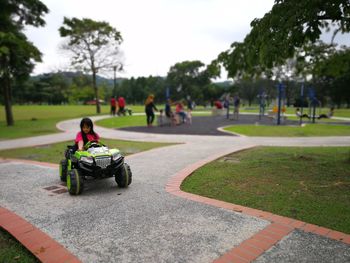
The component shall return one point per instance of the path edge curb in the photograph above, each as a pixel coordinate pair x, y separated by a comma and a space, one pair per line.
263, 240
41, 245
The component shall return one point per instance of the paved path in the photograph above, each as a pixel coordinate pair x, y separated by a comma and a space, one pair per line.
152, 220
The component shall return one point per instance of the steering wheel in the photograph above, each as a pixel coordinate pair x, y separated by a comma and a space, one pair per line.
92, 144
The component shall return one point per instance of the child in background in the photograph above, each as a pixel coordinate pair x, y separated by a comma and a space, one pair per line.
86, 134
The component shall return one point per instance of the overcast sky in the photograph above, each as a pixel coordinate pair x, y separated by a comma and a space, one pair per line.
157, 33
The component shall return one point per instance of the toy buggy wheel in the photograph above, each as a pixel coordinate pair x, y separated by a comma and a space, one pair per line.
75, 182
63, 170
123, 176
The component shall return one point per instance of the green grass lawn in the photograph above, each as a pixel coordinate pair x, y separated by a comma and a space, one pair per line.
310, 184
28, 128
35, 120
291, 110
124, 121
332, 120
11, 251
53, 153
291, 131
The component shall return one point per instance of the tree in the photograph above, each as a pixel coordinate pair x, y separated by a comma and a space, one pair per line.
333, 73
95, 47
17, 54
289, 26
187, 78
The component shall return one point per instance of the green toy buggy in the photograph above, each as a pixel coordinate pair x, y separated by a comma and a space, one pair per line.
97, 161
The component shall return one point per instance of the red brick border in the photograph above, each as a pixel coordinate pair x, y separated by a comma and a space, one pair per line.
255, 246
37, 242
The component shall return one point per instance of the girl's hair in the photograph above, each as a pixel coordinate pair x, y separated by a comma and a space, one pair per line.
86, 122
149, 99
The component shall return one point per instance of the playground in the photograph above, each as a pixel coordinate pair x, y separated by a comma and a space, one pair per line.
208, 125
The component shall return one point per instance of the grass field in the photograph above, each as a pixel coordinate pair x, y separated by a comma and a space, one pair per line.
291, 131
11, 251
309, 184
53, 153
127, 121
34, 120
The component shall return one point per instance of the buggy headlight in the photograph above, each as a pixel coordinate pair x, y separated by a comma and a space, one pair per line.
86, 159
116, 156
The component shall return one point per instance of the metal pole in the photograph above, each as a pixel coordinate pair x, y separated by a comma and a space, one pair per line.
301, 104
115, 80
279, 104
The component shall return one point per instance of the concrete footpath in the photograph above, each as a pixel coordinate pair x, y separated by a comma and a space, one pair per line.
153, 220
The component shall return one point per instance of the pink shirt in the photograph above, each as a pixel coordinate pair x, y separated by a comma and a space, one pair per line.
179, 108
89, 136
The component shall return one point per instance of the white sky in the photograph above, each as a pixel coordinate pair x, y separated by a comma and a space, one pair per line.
157, 33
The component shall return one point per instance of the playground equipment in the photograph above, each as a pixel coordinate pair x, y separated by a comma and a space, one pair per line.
279, 109
262, 97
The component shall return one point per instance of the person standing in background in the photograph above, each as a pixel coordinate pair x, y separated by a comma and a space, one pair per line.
121, 105
149, 107
113, 103
236, 105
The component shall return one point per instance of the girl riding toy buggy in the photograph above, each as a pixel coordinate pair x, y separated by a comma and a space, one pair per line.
97, 161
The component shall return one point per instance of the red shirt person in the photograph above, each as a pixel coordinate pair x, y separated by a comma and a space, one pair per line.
113, 103
218, 104
121, 105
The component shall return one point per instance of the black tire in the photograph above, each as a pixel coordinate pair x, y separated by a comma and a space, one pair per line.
123, 177
63, 170
75, 182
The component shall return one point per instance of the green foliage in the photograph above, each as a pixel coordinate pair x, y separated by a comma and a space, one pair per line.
332, 74
276, 37
94, 45
16, 52
188, 78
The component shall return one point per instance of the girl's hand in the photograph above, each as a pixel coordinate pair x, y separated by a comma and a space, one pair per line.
80, 146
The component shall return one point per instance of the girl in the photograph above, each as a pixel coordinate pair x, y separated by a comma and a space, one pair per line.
149, 106
86, 134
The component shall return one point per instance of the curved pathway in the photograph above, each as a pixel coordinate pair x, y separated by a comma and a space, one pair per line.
152, 220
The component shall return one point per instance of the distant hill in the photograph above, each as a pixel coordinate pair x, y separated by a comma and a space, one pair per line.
224, 84
69, 75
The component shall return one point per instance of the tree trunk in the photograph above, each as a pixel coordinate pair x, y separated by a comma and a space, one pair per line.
98, 108
7, 101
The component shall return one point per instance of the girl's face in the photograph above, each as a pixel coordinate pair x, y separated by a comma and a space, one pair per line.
86, 129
